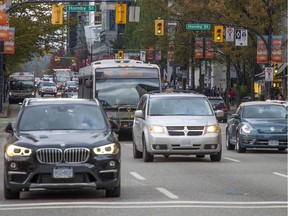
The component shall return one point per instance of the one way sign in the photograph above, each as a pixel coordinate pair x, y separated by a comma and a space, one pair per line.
241, 37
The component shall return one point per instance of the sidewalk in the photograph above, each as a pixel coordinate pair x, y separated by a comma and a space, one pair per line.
5, 109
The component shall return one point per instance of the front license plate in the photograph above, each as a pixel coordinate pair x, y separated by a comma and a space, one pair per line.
62, 172
186, 143
273, 142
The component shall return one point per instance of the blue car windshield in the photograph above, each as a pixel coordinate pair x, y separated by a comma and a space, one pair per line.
264, 111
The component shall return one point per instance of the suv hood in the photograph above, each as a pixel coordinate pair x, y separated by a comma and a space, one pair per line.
182, 120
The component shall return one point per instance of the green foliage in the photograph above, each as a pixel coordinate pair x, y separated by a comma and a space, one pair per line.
33, 29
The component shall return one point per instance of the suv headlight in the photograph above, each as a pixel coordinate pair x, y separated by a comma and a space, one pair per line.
13, 150
246, 128
213, 128
107, 149
156, 129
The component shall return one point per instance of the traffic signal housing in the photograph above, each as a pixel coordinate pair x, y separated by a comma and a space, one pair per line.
120, 54
218, 33
275, 68
57, 14
159, 27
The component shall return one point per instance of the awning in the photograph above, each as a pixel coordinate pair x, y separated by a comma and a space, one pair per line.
281, 70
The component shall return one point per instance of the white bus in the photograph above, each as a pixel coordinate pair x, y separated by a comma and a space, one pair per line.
119, 84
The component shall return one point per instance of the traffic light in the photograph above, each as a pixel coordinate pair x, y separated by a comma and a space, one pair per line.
120, 54
218, 34
275, 68
73, 59
159, 27
47, 49
57, 14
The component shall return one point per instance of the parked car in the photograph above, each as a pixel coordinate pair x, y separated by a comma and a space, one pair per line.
257, 124
176, 124
47, 87
218, 103
61, 143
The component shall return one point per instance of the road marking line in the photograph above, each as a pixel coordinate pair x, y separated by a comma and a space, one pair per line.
136, 175
167, 193
231, 159
279, 174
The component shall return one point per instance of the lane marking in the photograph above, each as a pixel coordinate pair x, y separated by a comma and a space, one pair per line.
167, 193
279, 174
136, 175
143, 205
231, 159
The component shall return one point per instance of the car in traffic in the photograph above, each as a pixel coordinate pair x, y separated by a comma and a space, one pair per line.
61, 143
257, 124
71, 86
218, 103
47, 88
176, 124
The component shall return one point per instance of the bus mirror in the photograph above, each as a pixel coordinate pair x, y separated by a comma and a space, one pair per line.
88, 83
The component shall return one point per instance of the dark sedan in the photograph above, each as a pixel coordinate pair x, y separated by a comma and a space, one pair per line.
219, 104
257, 124
61, 144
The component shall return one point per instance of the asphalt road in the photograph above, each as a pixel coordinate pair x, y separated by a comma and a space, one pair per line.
254, 184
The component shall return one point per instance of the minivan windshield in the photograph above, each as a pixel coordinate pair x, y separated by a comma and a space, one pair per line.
179, 106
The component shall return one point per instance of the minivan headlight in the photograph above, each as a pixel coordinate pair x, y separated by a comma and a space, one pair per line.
213, 128
112, 148
13, 150
156, 129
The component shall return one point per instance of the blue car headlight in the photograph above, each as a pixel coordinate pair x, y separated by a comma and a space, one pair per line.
246, 128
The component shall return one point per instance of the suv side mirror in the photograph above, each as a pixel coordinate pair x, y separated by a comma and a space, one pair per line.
9, 128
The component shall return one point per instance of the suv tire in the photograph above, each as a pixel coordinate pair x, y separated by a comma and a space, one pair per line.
147, 157
9, 194
115, 192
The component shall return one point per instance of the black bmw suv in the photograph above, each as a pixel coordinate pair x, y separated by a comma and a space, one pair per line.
61, 143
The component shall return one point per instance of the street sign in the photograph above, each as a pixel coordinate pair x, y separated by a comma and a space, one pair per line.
268, 74
241, 37
172, 24
198, 26
80, 8
229, 34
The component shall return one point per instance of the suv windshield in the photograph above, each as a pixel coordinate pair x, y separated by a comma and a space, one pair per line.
174, 106
62, 117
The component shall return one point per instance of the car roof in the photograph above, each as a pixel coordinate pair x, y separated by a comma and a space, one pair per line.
249, 103
42, 101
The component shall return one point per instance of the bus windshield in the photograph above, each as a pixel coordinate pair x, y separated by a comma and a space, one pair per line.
21, 84
125, 86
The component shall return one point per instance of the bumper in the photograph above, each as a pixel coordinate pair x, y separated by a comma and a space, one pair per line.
27, 176
263, 141
184, 145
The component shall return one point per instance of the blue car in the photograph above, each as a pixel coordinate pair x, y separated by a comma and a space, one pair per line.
257, 124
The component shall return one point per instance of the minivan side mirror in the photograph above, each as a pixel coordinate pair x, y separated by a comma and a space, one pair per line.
139, 114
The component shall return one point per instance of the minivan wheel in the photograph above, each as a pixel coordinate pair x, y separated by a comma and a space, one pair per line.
136, 153
216, 157
147, 157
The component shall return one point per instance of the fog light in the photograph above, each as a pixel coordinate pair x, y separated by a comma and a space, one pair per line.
13, 165
112, 164
213, 146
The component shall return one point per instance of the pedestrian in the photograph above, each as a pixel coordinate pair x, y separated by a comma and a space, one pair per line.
232, 96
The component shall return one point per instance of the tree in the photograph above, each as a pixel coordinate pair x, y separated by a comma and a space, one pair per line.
32, 23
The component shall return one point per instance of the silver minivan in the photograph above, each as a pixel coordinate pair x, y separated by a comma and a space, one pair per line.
176, 124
